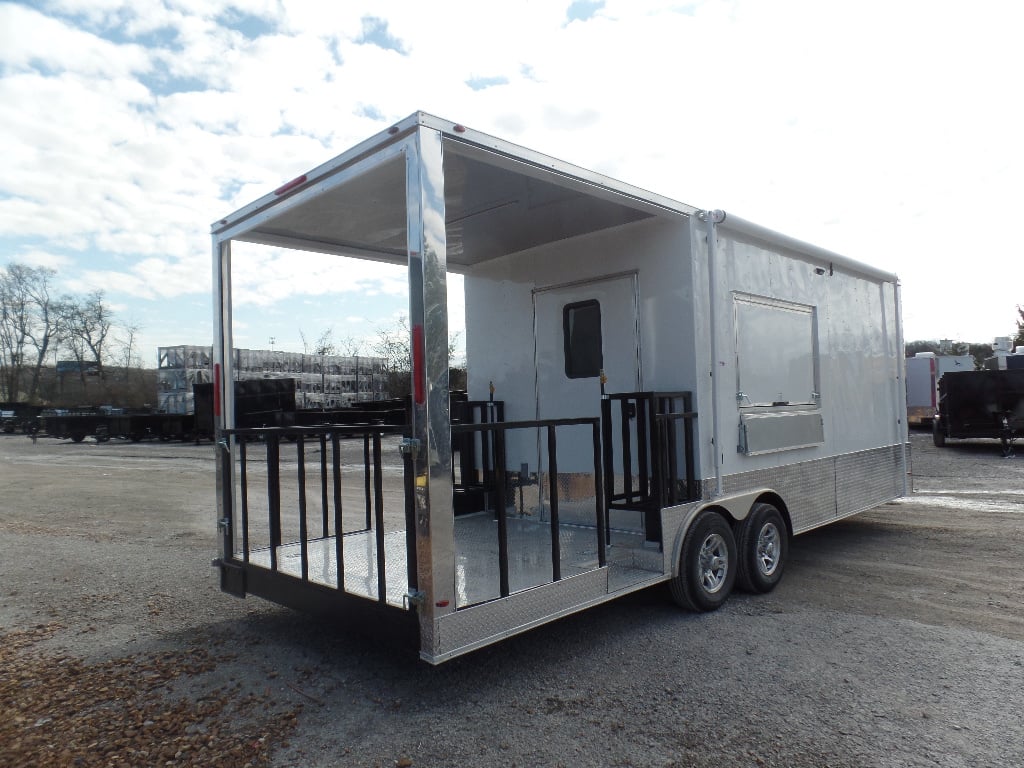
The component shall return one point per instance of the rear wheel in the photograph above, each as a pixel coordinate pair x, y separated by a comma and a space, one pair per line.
938, 433
707, 564
763, 543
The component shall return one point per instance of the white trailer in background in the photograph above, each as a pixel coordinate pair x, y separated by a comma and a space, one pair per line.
923, 373
657, 393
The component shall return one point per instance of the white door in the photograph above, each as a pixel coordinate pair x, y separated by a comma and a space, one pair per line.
582, 329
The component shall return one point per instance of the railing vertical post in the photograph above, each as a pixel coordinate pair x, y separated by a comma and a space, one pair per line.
274, 495
627, 453
603, 531
606, 442
366, 480
245, 500
325, 526
660, 496
409, 476
691, 480
300, 448
378, 505
486, 463
644, 423
502, 509
556, 549
672, 454
339, 544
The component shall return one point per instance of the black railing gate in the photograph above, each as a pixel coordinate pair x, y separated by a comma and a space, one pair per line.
660, 426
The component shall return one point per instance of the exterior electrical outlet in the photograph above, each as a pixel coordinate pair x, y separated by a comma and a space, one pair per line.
656, 393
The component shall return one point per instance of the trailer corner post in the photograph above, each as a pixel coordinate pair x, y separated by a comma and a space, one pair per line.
431, 428
710, 218
223, 366
901, 381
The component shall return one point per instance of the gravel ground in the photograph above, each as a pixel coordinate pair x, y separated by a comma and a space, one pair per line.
895, 639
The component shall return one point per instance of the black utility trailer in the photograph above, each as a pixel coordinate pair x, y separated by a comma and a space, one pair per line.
980, 404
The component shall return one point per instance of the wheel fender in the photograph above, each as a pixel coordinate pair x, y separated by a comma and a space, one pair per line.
733, 507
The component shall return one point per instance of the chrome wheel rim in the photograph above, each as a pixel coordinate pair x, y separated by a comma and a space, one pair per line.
713, 562
769, 544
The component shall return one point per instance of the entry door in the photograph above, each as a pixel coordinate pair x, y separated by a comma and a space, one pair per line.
581, 329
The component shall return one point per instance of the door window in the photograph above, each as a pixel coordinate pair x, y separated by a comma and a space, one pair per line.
581, 329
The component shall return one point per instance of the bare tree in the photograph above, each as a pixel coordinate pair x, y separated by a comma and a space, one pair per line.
350, 346
29, 323
85, 328
394, 345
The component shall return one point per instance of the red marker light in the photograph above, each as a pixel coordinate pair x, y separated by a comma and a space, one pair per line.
393, 130
459, 128
441, 603
290, 185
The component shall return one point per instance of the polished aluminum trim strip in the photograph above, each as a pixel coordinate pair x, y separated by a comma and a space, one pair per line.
431, 423
223, 357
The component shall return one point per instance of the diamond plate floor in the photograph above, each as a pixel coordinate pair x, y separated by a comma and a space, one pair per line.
476, 559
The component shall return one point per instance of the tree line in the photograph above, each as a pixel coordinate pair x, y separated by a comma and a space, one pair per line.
38, 326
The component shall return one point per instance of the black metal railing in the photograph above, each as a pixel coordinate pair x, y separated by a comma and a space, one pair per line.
653, 422
277, 440
496, 433
473, 453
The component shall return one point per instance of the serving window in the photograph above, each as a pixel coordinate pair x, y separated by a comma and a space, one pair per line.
776, 352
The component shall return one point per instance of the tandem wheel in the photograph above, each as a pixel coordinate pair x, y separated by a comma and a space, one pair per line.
763, 544
707, 563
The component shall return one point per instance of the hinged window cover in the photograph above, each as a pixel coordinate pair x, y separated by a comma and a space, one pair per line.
776, 352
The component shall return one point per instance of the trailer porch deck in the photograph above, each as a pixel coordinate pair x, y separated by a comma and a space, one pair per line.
629, 562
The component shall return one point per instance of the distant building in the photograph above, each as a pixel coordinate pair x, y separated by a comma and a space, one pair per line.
321, 381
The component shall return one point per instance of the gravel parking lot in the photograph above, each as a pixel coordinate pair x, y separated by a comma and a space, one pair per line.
895, 639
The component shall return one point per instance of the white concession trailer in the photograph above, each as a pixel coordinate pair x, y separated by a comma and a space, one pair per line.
656, 393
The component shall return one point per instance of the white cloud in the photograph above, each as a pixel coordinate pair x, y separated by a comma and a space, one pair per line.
31, 39
888, 132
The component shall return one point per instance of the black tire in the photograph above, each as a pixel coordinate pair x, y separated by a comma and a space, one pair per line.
707, 564
938, 433
763, 545
77, 437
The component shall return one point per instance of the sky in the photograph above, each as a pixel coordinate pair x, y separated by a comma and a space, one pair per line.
888, 131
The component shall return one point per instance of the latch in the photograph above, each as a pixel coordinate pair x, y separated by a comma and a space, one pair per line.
409, 446
413, 597
224, 524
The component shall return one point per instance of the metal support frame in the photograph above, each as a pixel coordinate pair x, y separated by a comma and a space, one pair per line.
224, 396
428, 319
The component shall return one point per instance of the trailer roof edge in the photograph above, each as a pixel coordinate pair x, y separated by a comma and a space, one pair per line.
452, 131
822, 255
